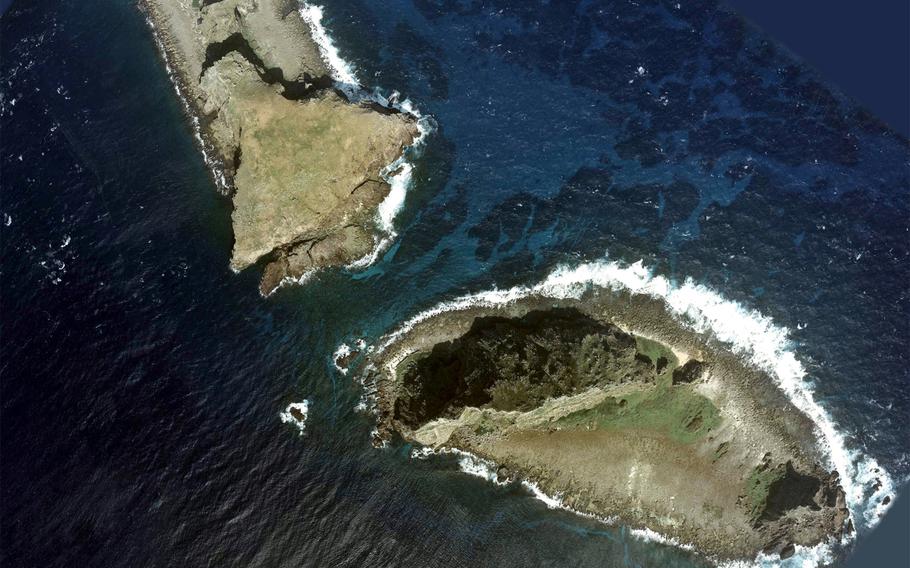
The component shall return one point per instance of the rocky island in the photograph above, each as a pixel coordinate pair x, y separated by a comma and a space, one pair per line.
609, 403
302, 163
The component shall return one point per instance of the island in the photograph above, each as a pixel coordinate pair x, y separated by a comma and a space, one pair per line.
608, 403
303, 164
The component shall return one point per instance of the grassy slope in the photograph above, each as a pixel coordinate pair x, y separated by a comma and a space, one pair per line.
677, 411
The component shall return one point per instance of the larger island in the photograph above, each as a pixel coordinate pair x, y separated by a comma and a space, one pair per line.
610, 403
301, 161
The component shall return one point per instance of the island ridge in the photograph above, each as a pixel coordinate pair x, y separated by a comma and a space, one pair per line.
302, 162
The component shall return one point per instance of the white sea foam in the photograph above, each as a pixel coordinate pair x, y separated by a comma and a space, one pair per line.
748, 333
288, 417
651, 536
342, 71
551, 501
378, 442
380, 245
367, 404
343, 351
467, 462
388, 209
394, 201
478, 467
398, 173
422, 453
803, 557
289, 280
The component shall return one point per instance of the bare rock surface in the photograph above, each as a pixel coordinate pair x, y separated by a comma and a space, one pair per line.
302, 162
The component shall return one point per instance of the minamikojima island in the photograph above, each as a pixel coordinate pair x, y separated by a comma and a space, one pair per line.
451, 339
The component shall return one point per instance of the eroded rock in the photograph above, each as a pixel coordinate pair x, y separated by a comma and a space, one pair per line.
688, 373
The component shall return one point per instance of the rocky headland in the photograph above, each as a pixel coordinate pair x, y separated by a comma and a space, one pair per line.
303, 163
612, 405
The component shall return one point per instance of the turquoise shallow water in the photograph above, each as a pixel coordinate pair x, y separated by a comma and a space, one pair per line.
142, 380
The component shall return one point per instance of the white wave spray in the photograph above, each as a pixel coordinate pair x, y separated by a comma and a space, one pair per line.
342, 71
296, 414
215, 167
747, 332
289, 280
398, 173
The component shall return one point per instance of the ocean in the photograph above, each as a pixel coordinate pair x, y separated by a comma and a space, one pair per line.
142, 382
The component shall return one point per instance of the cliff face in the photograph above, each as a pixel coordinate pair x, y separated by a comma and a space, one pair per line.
517, 364
673, 435
302, 162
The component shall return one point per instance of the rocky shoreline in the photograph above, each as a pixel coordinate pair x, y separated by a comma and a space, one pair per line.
303, 164
609, 403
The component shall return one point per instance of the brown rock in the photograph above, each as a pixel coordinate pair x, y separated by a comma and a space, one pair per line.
303, 162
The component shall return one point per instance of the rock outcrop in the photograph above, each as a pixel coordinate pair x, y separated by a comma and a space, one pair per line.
302, 162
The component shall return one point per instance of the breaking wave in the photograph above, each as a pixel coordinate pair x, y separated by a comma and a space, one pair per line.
296, 414
342, 71
289, 281
398, 173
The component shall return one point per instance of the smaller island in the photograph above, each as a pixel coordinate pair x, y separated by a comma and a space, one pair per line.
612, 405
296, 414
302, 162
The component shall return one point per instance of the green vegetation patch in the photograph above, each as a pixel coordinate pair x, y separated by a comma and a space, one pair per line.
660, 355
517, 364
773, 491
679, 412
758, 487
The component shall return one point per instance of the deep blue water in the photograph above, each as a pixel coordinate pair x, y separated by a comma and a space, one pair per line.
142, 380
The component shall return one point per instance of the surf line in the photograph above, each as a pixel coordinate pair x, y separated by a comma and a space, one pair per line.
398, 174
208, 152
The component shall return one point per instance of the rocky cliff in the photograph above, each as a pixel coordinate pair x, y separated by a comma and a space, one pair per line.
301, 162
